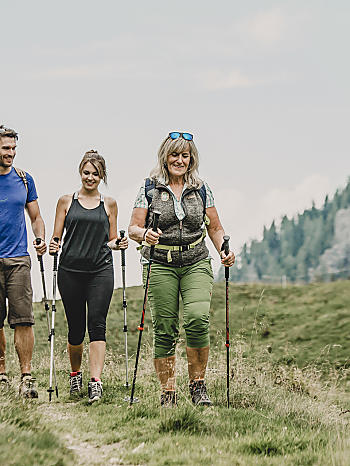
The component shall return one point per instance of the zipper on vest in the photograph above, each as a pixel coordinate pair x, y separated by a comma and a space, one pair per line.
180, 252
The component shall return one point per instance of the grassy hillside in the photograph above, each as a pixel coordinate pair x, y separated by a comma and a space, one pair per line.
289, 390
298, 324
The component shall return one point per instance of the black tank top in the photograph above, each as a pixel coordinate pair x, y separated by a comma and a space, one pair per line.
85, 242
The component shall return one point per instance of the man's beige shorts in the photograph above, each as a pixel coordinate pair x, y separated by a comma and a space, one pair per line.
15, 285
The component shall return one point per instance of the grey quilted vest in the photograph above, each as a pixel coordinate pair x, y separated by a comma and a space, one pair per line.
176, 232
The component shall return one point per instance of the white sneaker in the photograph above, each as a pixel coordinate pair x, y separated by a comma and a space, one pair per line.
95, 390
76, 383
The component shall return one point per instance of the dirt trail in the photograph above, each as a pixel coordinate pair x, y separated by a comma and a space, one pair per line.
86, 453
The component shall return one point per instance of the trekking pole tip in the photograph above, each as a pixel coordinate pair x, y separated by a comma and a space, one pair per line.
131, 401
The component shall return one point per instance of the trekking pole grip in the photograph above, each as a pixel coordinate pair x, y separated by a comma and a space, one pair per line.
55, 256
155, 220
226, 249
40, 258
122, 234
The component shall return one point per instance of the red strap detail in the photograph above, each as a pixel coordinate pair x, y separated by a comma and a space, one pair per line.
140, 328
227, 345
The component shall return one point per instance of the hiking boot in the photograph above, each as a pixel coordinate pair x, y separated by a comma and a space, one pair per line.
27, 387
76, 383
168, 399
95, 390
4, 382
199, 394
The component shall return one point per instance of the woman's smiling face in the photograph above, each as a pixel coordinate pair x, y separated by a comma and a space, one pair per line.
89, 177
178, 162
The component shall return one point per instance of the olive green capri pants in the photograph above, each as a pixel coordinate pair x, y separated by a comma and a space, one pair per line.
194, 283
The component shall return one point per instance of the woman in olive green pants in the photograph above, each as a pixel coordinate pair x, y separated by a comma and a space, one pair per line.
181, 263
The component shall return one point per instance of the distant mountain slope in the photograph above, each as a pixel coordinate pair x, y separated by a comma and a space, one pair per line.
314, 245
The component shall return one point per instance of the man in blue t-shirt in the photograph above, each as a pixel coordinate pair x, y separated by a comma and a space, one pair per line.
17, 193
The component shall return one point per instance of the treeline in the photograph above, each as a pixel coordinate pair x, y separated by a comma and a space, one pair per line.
293, 250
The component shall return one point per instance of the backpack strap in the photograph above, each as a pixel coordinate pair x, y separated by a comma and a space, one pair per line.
203, 195
149, 185
22, 174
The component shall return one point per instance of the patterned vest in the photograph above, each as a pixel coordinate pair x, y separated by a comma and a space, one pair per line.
176, 232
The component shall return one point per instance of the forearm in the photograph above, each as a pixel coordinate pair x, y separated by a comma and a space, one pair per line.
38, 228
217, 238
137, 233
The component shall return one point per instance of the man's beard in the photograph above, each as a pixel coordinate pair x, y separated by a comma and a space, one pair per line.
5, 164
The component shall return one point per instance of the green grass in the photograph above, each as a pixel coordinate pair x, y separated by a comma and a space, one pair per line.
289, 389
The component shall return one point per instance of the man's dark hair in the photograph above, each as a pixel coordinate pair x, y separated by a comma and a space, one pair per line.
7, 132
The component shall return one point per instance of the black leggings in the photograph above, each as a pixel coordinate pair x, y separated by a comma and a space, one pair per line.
78, 289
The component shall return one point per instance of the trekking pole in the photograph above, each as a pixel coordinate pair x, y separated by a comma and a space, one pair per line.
140, 328
47, 307
52, 332
125, 328
226, 249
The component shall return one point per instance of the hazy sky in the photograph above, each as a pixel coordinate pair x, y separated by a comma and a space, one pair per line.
262, 85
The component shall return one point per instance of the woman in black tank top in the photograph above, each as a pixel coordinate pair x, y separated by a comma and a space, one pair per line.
85, 271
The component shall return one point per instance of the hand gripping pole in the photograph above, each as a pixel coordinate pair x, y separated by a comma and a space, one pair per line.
141, 326
125, 328
226, 249
52, 332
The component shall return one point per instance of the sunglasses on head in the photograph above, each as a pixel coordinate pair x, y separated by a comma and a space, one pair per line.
176, 135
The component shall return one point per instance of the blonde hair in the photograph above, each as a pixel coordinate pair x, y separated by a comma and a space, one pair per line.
97, 161
168, 146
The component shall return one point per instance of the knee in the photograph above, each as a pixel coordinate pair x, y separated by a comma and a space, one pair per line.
76, 338
97, 333
197, 330
164, 345
197, 319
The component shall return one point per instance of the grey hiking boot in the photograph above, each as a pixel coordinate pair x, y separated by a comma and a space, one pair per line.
95, 390
168, 399
199, 394
76, 383
27, 387
4, 382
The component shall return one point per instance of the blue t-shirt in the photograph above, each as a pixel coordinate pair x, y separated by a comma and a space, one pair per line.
13, 199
